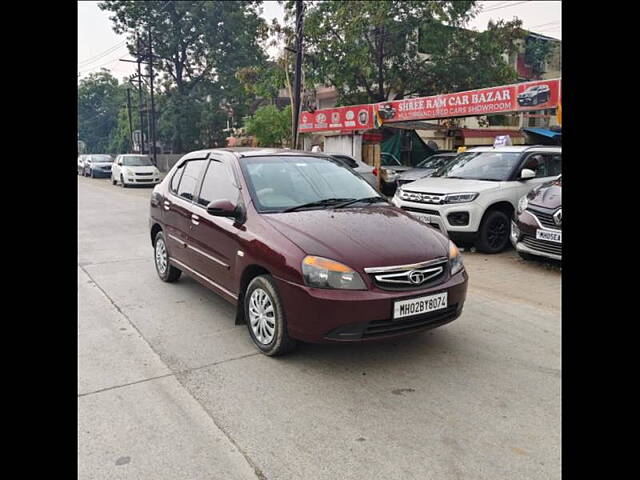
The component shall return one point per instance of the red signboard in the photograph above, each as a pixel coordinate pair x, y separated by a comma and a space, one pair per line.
357, 117
509, 98
519, 97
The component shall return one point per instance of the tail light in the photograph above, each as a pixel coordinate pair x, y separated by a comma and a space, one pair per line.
375, 172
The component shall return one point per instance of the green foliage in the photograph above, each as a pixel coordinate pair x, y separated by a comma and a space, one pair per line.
198, 48
100, 100
367, 50
536, 53
270, 126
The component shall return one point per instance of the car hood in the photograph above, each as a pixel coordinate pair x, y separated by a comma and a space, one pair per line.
403, 168
416, 173
150, 169
452, 185
547, 197
371, 236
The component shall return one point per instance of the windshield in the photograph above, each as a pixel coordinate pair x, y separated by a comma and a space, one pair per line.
435, 161
101, 158
280, 183
138, 161
495, 166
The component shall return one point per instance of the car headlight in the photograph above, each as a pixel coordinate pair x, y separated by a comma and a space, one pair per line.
460, 197
321, 272
522, 204
455, 258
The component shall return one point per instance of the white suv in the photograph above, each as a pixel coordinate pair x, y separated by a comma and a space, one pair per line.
131, 169
474, 197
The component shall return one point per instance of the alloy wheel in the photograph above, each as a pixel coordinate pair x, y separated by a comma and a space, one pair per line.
497, 232
262, 316
161, 256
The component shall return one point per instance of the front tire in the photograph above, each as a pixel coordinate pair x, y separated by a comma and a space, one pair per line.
167, 272
494, 232
122, 184
266, 318
113, 181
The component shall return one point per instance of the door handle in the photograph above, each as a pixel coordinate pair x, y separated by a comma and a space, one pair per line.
194, 219
167, 204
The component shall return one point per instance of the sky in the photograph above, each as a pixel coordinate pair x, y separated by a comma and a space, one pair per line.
99, 47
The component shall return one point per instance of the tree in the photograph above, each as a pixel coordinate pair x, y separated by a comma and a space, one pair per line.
100, 99
198, 47
374, 51
270, 126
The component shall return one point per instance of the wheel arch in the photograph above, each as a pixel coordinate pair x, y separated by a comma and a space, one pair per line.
155, 228
249, 273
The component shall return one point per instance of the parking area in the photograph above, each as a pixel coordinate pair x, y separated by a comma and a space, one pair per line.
169, 387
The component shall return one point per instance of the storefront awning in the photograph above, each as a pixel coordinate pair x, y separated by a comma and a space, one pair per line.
487, 132
544, 132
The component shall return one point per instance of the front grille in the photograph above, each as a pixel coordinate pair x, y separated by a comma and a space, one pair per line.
420, 197
144, 174
546, 219
389, 327
542, 245
381, 328
421, 210
427, 275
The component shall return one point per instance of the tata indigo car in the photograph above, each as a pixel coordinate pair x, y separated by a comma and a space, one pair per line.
304, 247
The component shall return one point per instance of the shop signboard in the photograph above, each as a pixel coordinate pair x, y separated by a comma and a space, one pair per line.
519, 97
356, 117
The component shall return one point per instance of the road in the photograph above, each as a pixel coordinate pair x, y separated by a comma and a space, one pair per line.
169, 387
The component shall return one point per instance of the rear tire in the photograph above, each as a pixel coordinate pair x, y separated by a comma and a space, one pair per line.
266, 318
167, 272
494, 232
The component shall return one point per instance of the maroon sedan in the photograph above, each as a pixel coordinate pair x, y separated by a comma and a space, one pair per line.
536, 229
304, 247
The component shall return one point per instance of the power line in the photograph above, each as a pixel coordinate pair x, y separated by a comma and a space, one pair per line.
543, 24
115, 47
511, 4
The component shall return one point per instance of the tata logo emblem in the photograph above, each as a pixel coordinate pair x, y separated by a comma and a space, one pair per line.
416, 277
557, 217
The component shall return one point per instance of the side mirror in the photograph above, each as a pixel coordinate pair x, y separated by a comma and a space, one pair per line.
526, 174
222, 208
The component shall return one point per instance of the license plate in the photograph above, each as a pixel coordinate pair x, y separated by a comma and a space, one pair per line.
555, 237
420, 305
422, 217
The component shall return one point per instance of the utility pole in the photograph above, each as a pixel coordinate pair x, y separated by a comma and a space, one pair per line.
298, 75
139, 61
152, 122
129, 115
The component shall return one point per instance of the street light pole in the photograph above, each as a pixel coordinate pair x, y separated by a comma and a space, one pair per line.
298, 75
129, 115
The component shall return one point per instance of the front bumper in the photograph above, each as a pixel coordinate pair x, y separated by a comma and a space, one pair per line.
439, 214
523, 238
142, 181
324, 316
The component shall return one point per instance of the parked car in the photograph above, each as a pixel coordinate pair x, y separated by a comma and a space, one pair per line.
301, 244
537, 225
390, 168
97, 165
534, 95
368, 172
426, 167
474, 197
132, 169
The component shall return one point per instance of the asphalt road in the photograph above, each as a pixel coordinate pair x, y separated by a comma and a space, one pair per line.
169, 387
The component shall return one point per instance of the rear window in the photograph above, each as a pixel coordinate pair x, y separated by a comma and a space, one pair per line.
347, 160
189, 179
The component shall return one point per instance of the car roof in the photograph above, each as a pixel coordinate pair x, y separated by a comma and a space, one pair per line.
240, 152
517, 148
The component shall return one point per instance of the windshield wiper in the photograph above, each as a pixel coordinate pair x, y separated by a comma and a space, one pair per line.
318, 203
364, 200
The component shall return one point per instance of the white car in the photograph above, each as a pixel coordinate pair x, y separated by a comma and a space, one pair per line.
474, 197
132, 169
